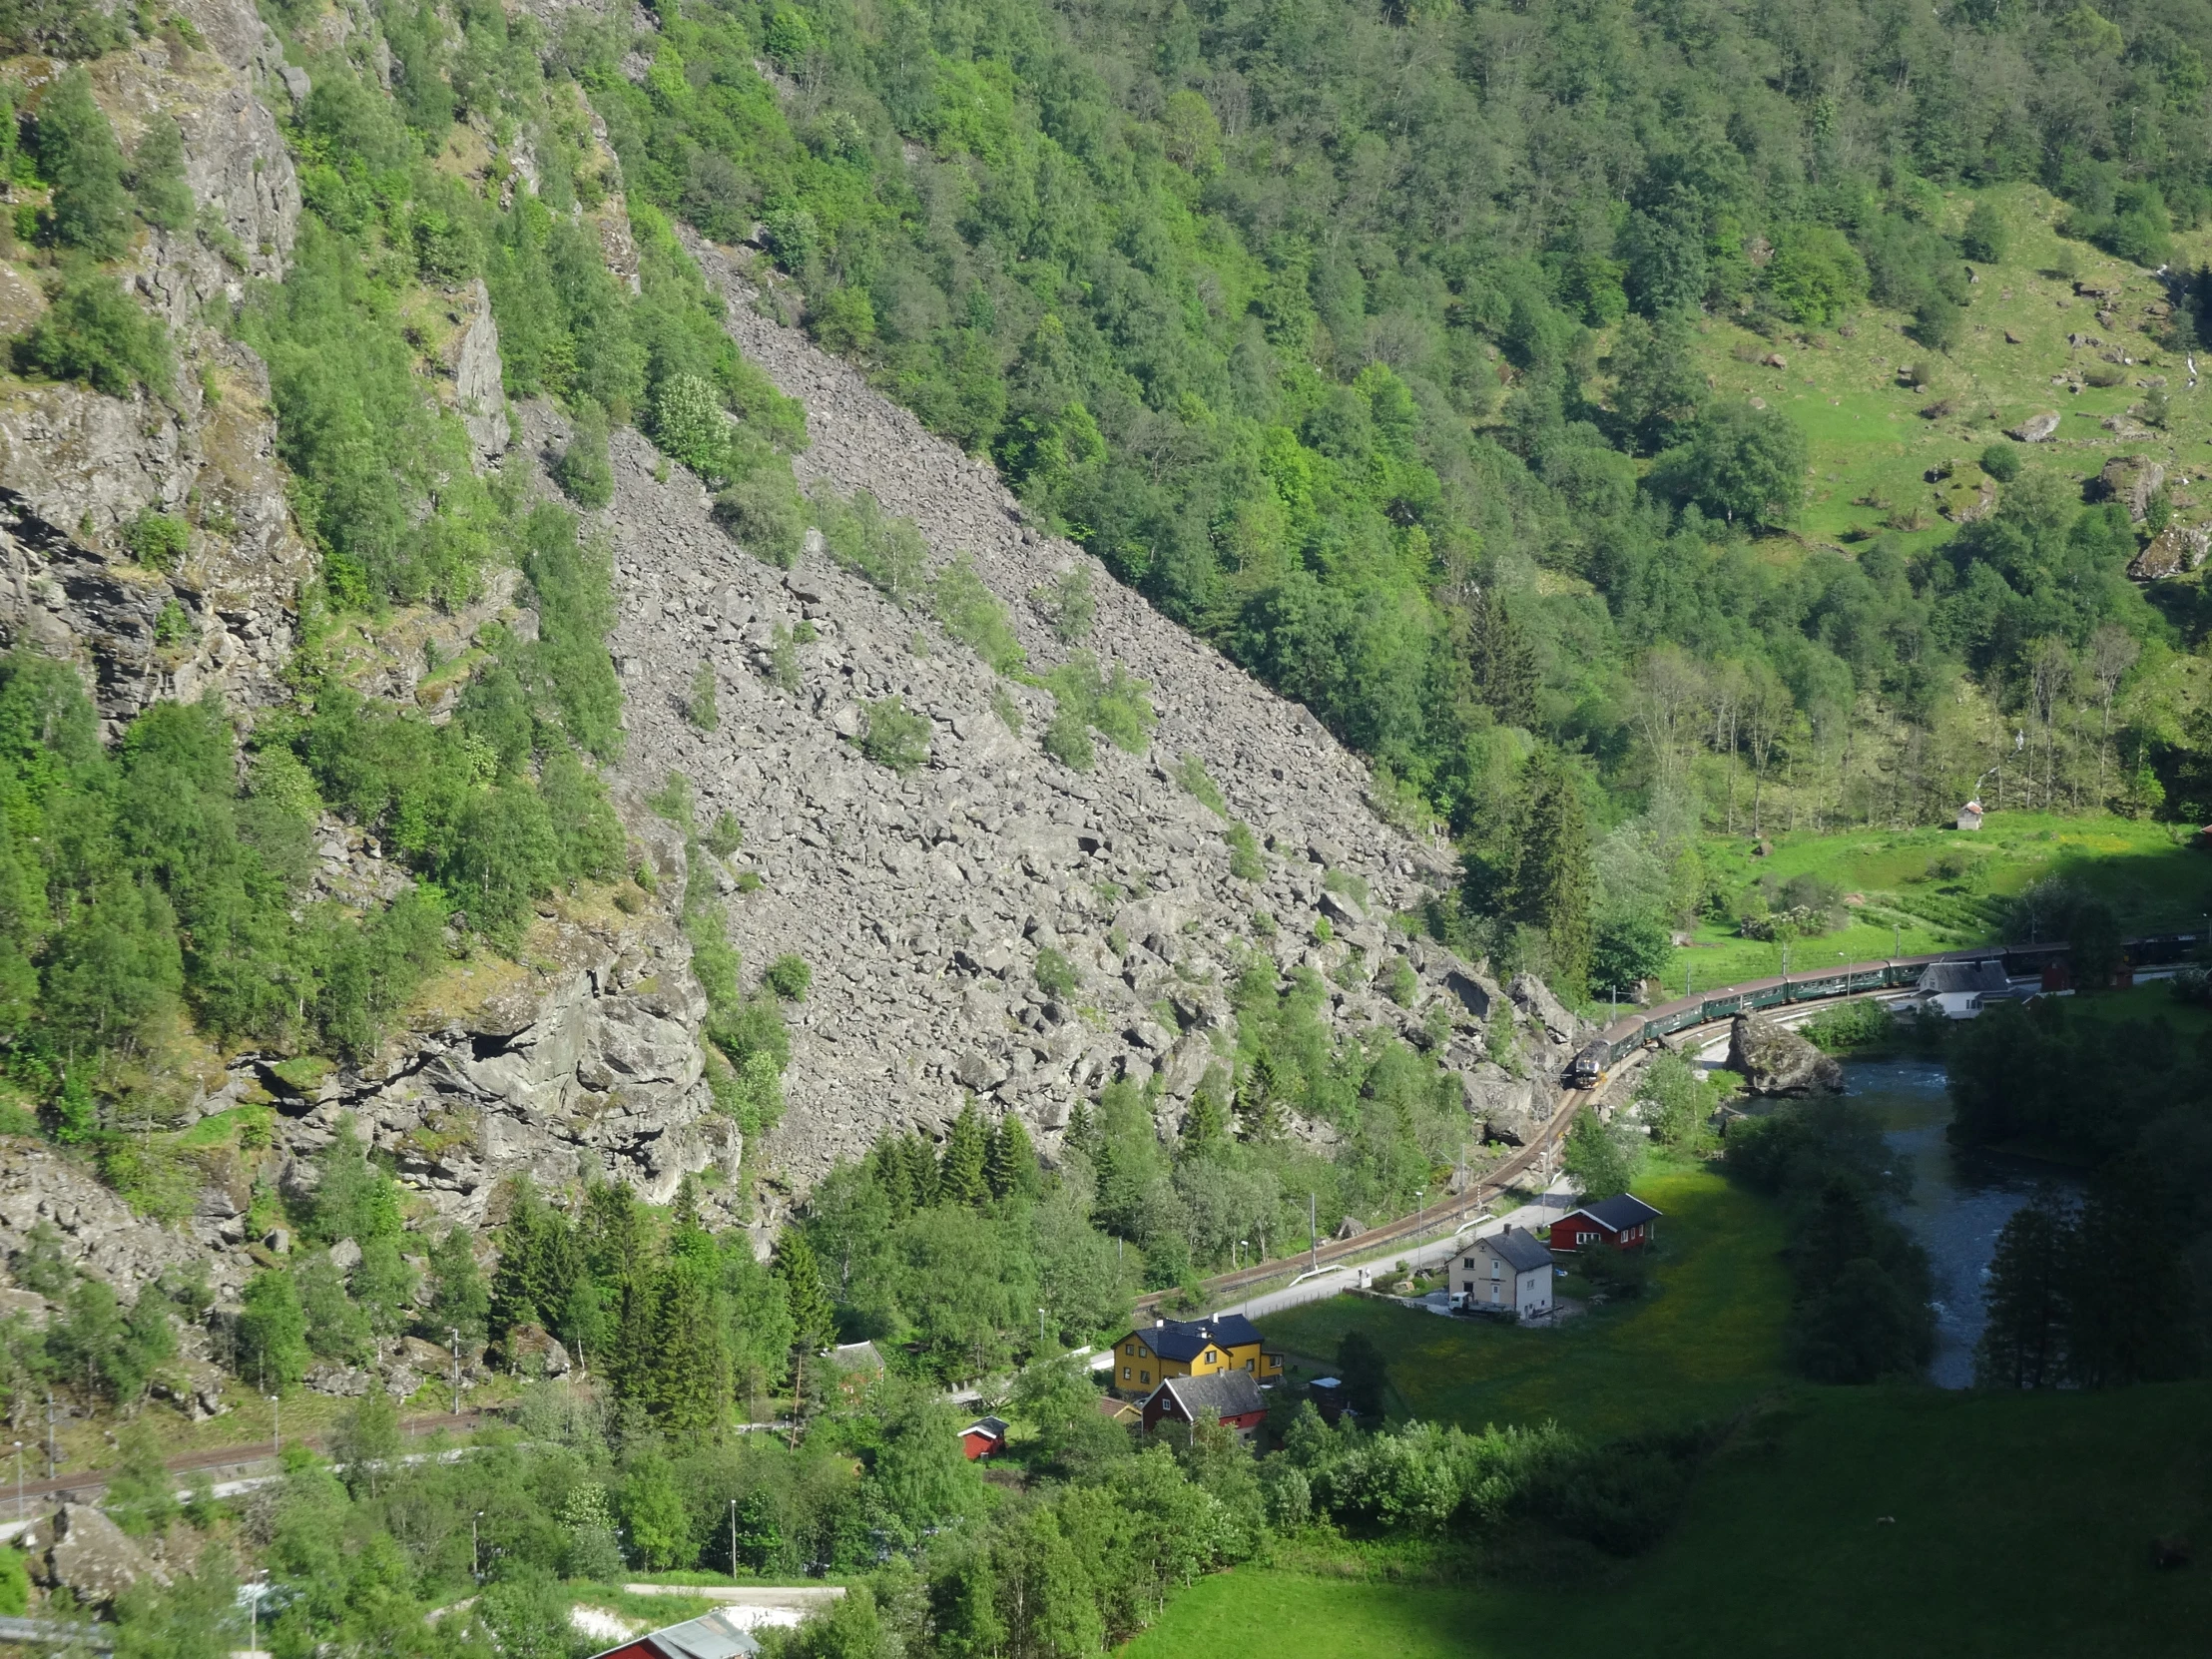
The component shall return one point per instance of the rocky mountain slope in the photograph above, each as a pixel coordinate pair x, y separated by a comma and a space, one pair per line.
921, 903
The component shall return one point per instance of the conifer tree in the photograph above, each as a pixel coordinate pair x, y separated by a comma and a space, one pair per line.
804, 1292
1501, 662
1082, 1130
1010, 1167
921, 1172
1552, 886
1205, 1128
1259, 1101
960, 1177
688, 1372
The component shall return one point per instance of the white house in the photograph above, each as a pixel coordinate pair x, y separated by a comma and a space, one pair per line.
1509, 1270
1970, 815
1961, 990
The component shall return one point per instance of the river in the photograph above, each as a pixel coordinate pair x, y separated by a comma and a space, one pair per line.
1959, 1201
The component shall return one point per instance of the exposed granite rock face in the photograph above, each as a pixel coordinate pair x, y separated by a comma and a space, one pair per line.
478, 386
1775, 1060
76, 467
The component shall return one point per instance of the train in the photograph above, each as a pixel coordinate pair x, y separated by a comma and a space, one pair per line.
2022, 961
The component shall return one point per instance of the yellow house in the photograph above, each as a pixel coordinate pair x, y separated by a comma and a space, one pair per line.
1146, 1357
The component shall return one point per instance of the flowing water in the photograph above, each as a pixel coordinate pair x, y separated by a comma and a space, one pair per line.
1959, 1201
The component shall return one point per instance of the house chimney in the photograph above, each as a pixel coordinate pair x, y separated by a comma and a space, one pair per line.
1159, 1325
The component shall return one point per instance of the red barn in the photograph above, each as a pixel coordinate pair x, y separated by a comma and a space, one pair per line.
1232, 1395
1623, 1221
984, 1438
714, 1636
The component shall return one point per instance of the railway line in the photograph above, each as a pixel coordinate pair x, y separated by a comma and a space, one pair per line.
1596, 1068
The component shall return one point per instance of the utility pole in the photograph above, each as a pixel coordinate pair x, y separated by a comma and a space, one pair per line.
50, 1458
455, 1331
19, 1480
733, 1537
1313, 1231
475, 1556
277, 1414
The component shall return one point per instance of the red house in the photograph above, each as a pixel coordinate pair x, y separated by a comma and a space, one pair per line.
1232, 1395
984, 1438
714, 1636
1623, 1221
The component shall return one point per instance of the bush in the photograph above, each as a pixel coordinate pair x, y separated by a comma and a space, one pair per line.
584, 469
1938, 324
726, 837
895, 735
700, 705
1984, 236
2105, 375
764, 512
2001, 462
156, 539
92, 332
1244, 861
1068, 740
972, 615
690, 427
788, 977
1068, 603
1863, 1025
887, 552
1056, 975
158, 176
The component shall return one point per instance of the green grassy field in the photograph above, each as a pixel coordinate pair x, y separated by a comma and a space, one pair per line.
1705, 1343
2022, 1524
1874, 436
1939, 889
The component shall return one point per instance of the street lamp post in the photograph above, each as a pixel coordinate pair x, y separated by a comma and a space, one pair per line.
475, 1556
19, 1480
277, 1414
733, 1537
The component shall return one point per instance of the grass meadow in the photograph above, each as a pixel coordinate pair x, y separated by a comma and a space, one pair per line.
1927, 890
1895, 1522
2020, 1525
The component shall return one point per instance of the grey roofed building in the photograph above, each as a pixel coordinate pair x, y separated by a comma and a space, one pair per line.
1985, 978
1519, 1249
1227, 1394
710, 1636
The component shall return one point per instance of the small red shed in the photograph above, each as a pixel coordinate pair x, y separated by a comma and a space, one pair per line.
984, 1438
1623, 1221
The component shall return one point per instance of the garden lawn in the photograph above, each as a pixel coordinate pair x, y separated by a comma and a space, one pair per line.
2022, 1524
1704, 1342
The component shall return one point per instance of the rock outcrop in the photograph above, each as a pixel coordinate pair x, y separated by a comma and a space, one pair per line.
2036, 428
87, 1553
2174, 551
1775, 1060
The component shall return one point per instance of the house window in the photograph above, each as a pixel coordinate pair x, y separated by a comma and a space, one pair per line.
1248, 1364
1144, 1377
1125, 1374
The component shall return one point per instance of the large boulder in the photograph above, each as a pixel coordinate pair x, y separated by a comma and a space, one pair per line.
2036, 428
1507, 1108
1777, 1061
90, 1555
1535, 999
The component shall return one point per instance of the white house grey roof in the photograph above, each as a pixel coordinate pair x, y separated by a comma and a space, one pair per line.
1519, 1249
1949, 978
